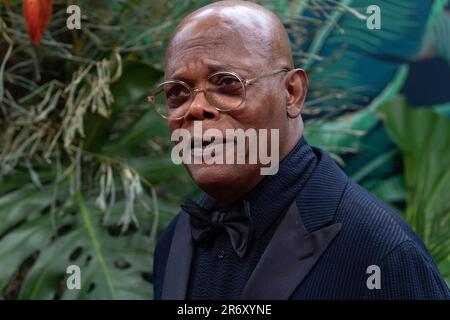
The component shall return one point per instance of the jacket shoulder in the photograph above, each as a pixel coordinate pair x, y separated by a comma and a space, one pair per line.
373, 234
407, 274
373, 225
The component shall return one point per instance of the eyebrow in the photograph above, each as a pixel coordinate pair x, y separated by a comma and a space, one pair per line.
212, 67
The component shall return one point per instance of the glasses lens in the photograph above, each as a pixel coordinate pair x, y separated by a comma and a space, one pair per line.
171, 99
227, 91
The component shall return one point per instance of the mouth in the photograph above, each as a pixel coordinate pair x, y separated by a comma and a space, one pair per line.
201, 143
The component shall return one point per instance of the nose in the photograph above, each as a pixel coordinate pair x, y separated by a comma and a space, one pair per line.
201, 109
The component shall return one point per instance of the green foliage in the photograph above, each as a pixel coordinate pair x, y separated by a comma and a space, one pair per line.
423, 137
85, 170
349, 65
113, 266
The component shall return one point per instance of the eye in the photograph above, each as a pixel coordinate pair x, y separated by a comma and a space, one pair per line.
224, 80
229, 81
227, 84
176, 91
176, 95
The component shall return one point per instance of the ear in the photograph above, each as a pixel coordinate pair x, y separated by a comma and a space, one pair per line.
296, 84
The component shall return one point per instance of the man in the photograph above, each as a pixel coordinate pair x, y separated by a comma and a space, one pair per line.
305, 232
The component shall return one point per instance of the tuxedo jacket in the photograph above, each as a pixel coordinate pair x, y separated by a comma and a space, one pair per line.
335, 240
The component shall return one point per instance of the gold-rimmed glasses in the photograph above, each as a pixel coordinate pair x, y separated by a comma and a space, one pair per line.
226, 91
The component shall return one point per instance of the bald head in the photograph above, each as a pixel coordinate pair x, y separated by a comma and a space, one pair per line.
250, 29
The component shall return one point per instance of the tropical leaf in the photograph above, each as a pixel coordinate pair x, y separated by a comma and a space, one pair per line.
85, 172
391, 190
424, 139
113, 266
350, 65
134, 84
437, 38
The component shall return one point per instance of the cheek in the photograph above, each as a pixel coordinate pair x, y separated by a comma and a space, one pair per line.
276, 108
266, 109
173, 125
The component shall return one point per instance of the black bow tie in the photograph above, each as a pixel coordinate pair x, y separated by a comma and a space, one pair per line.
206, 223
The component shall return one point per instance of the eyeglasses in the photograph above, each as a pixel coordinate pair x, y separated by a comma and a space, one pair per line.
226, 91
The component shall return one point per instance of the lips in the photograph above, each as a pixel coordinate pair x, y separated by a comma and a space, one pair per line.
204, 143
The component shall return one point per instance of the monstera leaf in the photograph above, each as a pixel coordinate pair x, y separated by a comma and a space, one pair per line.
112, 266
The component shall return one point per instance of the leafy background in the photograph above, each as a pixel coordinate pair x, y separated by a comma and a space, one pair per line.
85, 170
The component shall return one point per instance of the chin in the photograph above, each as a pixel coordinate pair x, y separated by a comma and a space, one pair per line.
221, 178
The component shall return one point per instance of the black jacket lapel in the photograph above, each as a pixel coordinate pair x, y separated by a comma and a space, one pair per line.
289, 257
179, 261
302, 237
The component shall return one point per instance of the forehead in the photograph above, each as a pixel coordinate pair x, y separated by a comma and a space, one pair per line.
203, 67
213, 44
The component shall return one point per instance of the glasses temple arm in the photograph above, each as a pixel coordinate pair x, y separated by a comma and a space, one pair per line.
267, 74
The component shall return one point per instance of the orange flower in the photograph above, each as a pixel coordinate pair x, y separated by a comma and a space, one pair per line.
37, 15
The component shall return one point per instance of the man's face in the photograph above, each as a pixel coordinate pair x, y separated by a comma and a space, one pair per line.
208, 46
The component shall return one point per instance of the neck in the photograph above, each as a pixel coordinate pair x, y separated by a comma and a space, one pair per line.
227, 195
223, 198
